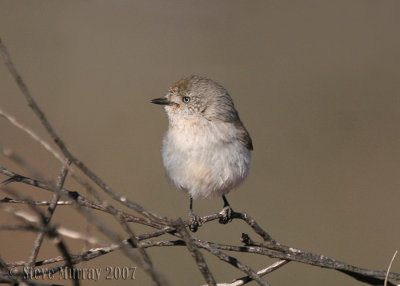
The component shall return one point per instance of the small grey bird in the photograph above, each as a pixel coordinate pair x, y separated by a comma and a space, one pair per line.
206, 150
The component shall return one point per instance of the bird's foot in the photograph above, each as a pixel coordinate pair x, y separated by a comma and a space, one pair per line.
226, 213
195, 222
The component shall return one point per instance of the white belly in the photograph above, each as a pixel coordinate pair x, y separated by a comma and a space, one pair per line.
206, 160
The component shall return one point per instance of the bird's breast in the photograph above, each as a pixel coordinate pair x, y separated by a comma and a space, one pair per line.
190, 134
205, 158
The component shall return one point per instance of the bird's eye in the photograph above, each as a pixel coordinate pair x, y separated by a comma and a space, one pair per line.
185, 99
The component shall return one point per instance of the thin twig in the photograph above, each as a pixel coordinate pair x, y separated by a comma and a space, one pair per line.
146, 263
76, 196
390, 266
19, 227
8, 200
254, 225
50, 149
262, 272
246, 279
231, 260
49, 229
32, 134
52, 207
194, 251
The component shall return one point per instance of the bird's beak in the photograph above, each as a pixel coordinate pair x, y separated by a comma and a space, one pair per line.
161, 101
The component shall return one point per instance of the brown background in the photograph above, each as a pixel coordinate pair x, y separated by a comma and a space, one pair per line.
316, 83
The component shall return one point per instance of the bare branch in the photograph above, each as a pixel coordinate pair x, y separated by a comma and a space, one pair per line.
198, 257
32, 134
37, 203
231, 260
77, 197
262, 272
390, 266
49, 229
52, 207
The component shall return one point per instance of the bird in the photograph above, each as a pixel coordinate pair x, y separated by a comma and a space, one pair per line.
206, 150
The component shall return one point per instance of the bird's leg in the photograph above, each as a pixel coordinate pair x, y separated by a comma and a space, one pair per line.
195, 220
226, 212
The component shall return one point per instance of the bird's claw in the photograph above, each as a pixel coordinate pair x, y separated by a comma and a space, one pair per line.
226, 215
195, 222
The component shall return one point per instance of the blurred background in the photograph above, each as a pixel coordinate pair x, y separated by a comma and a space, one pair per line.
316, 83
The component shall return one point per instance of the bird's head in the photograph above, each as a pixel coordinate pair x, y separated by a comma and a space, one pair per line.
197, 96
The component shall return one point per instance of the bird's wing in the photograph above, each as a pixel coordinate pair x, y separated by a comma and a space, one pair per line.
244, 136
